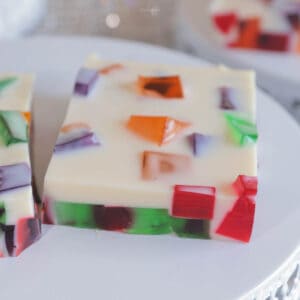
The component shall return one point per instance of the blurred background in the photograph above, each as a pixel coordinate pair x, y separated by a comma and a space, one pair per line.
185, 25
151, 21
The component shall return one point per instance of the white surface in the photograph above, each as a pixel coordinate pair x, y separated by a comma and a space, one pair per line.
75, 264
277, 72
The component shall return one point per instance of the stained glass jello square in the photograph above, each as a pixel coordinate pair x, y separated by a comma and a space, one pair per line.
19, 225
157, 149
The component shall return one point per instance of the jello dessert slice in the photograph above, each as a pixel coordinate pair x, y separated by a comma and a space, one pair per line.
19, 226
258, 24
157, 149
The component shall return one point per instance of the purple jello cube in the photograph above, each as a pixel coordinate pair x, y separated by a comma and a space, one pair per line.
227, 98
292, 12
201, 143
14, 176
294, 19
73, 134
82, 142
85, 80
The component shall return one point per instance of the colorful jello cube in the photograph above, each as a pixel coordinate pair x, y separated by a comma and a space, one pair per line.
242, 130
169, 87
85, 81
257, 24
156, 129
161, 166
16, 91
75, 136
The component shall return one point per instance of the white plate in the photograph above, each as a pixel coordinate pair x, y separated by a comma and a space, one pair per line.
69, 263
277, 72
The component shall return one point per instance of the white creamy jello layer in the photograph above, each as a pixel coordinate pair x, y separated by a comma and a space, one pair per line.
16, 96
112, 174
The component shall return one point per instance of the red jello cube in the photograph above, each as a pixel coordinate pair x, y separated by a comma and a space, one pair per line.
116, 218
28, 230
225, 22
238, 223
273, 41
246, 185
193, 202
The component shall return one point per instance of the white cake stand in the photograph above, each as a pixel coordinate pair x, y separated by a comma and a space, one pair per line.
278, 73
70, 263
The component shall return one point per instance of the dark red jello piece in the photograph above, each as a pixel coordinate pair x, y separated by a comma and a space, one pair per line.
113, 218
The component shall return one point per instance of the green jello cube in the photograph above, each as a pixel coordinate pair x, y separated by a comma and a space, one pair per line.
190, 228
150, 221
6, 82
242, 131
13, 128
2, 214
74, 214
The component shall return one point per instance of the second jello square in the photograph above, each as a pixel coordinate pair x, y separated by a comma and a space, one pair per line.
157, 149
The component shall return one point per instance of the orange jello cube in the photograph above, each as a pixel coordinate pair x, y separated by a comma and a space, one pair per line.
248, 33
160, 87
27, 116
157, 129
158, 165
108, 69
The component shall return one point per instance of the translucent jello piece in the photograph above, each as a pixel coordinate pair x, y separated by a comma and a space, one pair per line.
238, 222
228, 99
14, 176
20, 236
225, 22
112, 218
75, 136
74, 214
157, 129
110, 68
85, 80
193, 202
201, 143
191, 228
168, 87
274, 41
27, 116
150, 221
13, 128
159, 164
7, 82
246, 185
247, 33
2, 213
242, 131
28, 230
293, 18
